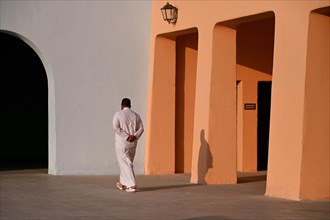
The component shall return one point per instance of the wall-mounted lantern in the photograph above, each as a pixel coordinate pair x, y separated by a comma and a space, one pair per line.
170, 13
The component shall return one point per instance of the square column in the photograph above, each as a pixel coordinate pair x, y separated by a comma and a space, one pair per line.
217, 153
298, 166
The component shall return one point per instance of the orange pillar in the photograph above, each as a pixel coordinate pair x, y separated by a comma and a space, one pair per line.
298, 165
315, 168
160, 153
222, 112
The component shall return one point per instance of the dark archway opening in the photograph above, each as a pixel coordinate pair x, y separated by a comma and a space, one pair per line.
24, 106
255, 51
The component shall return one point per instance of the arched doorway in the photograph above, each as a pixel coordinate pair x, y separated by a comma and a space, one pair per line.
242, 56
24, 91
254, 51
171, 107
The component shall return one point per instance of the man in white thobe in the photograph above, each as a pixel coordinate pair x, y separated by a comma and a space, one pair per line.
128, 127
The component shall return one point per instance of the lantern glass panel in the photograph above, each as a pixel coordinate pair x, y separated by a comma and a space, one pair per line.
164, 14
169, 14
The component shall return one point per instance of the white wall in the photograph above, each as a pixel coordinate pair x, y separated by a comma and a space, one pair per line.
95, 53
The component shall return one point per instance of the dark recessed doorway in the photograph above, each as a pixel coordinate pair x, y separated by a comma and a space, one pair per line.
24, 106
264, 102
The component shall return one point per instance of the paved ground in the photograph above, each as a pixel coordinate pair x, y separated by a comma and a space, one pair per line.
36, 195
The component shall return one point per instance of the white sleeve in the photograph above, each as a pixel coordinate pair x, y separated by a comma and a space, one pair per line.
117, 128
139, 129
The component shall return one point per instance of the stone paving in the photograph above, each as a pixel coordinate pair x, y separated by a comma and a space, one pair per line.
33, 194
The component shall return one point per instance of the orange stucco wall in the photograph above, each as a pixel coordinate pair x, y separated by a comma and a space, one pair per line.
218, 66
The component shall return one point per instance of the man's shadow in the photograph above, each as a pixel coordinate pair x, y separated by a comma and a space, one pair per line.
205, 159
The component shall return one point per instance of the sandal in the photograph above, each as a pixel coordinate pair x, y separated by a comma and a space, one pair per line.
131, 189
120, 186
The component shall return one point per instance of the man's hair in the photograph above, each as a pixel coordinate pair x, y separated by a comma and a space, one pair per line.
126, 102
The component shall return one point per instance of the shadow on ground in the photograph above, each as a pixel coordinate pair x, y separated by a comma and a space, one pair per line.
248, 179
155, 188
207, 218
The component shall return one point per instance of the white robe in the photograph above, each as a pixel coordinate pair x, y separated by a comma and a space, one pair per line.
126, 122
